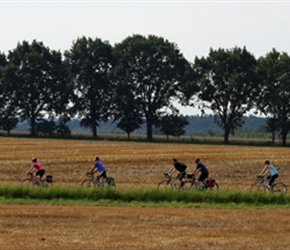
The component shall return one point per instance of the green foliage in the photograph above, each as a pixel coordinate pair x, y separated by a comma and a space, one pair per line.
151, 69
64, 195
90, 61
35, 79
172, 124
226, 79
273, 70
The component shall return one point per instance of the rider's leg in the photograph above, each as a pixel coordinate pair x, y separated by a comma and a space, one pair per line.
180, 176
100, 175
38, 175
202, 180
272, 179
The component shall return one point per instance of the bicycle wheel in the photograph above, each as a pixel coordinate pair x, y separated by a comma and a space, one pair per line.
279, 187
258, 187
189, 185
165, 185
110, 182
27, 182
47, 184
88, 183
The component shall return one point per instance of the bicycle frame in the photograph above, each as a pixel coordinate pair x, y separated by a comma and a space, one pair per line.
189, 183
91, 181
262, 185
168, 183
32, 181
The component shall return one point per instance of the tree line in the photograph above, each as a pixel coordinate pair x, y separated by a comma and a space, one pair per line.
138, 81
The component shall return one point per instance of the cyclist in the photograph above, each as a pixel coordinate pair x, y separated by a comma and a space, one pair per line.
37, 169
269, 168
179, 166
100, 169
200, 167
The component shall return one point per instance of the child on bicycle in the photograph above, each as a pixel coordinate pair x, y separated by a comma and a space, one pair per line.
179, 166
269, 168
36, 166
100, 169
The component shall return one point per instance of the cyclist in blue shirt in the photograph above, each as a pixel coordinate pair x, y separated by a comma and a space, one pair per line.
200, 167
269, 168
100, 169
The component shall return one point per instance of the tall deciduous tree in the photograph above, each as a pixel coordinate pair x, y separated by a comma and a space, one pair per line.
127, 110
3, 63
274, 76
8, 119
36, 78
90, 62
227, 83
154, 69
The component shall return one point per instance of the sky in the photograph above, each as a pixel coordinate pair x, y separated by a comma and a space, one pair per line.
194, 26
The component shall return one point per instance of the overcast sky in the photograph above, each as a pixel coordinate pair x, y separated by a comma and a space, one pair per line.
194, 26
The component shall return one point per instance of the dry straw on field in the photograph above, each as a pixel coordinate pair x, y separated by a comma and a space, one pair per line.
136, 164
135, 227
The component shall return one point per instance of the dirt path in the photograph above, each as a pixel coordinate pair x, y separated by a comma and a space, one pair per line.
109, 227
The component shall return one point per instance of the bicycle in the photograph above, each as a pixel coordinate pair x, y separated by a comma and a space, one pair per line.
34, 181
191, 183
261, 186
91, 181
169, 183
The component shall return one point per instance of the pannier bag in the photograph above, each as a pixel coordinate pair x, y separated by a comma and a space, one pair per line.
48, 179
210, 182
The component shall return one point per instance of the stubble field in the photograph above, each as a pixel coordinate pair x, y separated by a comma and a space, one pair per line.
133, 227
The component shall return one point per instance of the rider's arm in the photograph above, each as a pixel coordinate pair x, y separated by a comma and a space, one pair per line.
93, 169
195, 171
172, 170
264, 171
30, 170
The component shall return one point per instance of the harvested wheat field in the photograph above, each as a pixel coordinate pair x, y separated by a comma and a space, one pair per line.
133, 227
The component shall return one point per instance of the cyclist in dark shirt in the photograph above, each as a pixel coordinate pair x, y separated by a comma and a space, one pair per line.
201, 168
180, 167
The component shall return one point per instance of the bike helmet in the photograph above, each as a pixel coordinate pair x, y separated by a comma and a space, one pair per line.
34, 159
197, 160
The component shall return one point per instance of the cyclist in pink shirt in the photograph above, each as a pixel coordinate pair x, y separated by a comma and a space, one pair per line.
38, 168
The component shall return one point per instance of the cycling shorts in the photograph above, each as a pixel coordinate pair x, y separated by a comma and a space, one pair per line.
40, 173
102, 174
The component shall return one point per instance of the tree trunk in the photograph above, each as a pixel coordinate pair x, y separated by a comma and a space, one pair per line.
284, 137
149, 130
32, 127
284, 132
226, 135
273, 137
95, 136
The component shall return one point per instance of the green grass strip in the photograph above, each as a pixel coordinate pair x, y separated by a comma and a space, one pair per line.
157, 197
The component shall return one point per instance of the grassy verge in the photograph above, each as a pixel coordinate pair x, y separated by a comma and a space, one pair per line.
151, 197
